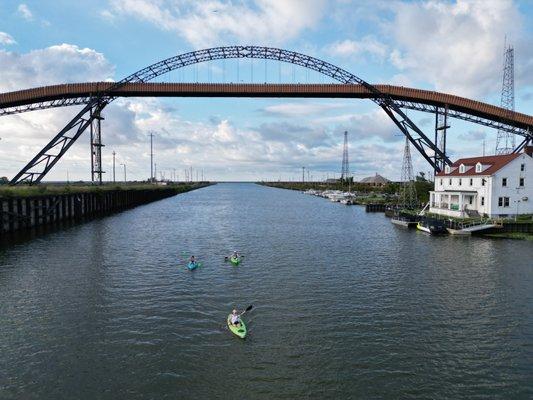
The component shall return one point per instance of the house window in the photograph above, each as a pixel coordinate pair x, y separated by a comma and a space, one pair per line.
482, 201
450, 181
504, 182
471, 181
478, 167
522, 167
441, 182
506, 201
447, 169
483, 181
460, 181
462, 168
500, 201
470, 198
521, 182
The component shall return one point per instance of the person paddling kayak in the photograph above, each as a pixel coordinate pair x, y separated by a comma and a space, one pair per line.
236, 325
235, 318
235, 258
192, 263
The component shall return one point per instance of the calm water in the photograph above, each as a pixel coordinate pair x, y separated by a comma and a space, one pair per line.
346, 305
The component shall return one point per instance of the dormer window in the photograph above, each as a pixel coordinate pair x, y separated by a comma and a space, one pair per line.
479, 167
447, 169
462, 169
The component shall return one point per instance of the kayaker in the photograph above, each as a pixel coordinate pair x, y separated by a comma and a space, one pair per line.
192, 260
235, 254
235, 318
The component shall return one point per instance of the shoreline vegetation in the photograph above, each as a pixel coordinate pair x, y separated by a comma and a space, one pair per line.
388, 195
51, 189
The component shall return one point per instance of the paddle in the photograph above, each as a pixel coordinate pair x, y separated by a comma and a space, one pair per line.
247, 309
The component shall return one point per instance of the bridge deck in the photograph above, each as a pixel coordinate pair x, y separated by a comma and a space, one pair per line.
427, 97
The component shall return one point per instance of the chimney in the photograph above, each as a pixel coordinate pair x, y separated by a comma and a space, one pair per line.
528, 150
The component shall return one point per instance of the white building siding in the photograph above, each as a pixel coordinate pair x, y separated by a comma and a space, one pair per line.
516, 193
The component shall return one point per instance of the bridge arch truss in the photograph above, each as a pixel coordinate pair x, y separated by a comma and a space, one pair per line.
44, 161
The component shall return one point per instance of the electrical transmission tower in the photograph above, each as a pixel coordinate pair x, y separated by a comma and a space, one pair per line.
505, 141
408, 189
345, 173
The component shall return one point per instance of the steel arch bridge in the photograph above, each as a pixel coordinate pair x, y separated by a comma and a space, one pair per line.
96, 101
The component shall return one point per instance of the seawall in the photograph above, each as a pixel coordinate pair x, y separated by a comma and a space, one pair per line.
19, 213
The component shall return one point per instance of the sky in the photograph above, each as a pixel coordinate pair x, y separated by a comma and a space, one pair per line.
449, 46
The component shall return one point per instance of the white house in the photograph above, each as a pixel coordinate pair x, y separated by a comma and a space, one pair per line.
494, 186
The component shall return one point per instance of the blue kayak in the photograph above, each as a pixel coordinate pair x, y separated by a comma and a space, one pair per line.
193, 265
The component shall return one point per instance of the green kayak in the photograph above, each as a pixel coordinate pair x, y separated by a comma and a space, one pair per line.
235, 260
239, 330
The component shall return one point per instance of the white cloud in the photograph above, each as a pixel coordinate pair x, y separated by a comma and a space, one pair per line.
52, 65
300, 109
25, 12
457, 45
6, 39
211, 23
107, 15
351, 48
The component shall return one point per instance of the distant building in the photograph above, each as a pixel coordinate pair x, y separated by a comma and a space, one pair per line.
495, 186
375, 181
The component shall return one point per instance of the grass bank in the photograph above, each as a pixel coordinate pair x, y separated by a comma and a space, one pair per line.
510, 235
59, 189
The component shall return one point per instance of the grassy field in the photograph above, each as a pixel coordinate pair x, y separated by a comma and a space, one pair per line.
54, 189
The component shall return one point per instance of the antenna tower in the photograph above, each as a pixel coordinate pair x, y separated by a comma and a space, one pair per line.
505, 141
408, 189
345, 173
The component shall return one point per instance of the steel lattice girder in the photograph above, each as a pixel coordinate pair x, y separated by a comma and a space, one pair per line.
82, 120
45, 105
411, 105
404, 104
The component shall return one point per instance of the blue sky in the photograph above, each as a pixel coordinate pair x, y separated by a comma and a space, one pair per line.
450, 46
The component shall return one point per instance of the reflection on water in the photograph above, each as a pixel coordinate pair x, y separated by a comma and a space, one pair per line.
346, 305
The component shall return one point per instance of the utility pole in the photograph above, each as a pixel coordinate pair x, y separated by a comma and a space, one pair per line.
114, 165
155, 172
125, 180
151, 156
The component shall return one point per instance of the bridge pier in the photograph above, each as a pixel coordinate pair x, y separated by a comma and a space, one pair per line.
96, 147
441, 126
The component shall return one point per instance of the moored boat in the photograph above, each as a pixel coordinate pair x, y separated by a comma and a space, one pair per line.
432, 226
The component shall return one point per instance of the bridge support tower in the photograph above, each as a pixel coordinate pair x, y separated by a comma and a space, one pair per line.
96, 146
441, 127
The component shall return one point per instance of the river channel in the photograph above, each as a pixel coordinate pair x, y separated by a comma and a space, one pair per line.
345, 305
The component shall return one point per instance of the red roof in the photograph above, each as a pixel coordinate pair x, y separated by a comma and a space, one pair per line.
494, 163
